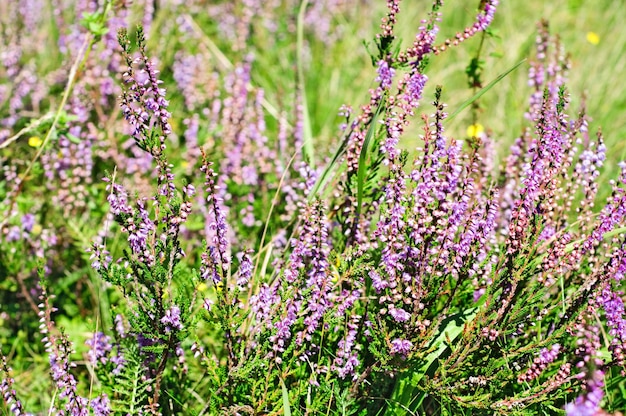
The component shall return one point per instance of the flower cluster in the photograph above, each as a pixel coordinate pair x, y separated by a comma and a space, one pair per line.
433, 279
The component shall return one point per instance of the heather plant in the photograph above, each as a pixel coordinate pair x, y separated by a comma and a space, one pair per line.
237, 270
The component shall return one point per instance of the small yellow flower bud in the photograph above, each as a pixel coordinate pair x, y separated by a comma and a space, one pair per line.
475, 130
37, 229
34, 141
593, 38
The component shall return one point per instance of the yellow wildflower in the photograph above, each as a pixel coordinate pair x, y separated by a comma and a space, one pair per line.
475, 130
34, 141
593, 38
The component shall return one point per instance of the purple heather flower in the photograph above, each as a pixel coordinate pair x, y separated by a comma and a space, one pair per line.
100, 347
9, 395
143, 102
60, 365
588, 404
346, 360
391, 227
401, 346
101, 257
208, 267
28, 222
399, 314
612, 214
120, 327
217, 227
317, 249
171, 320
14, 233
119, 361
616, 320
540, 363
101, 405
620, 270
245, 269
118, 198
138, 234
414, 89
262, 303
485, 17
385, 74
283, 326
378, 283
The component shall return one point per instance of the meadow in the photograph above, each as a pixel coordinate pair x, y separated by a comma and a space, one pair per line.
312, 208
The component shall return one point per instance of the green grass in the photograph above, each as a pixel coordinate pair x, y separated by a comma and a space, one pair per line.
340, 73
334, 72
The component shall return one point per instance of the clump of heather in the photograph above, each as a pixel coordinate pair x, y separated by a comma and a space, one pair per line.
253, 279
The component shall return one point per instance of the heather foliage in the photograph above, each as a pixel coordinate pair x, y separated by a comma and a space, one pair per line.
176, 242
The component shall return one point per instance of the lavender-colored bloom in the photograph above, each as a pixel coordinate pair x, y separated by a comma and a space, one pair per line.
245, 270
399, 314
401, 346
143, 102
60, 366
171, 320
189, 190
385, 74
616, 320
118, 198
28, 222
319, 282
208, 265
262, 303
378, 283
100, 348
218, 229
309, 177
484, 19
588, 404
620, 268
612, 215
182, 364
540, 363
390, 145
283, 326
120, 327
119, 361
101, 405
414, 89
14, 233
391, 227
138, 234
346, 360
548, 153
9, 395
101, 257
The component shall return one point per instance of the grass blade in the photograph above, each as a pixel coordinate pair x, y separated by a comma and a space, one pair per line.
485, 89
307, 134
286, 407
362, 158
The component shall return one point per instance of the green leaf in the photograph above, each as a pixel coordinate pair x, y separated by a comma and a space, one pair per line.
286, 407
94, 23
404, 395
362, 159
72, 138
